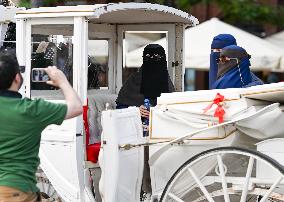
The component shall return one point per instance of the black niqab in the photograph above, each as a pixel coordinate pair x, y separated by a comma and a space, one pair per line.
149, 82
154, 72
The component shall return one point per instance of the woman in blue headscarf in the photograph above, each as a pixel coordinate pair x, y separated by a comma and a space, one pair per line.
233, 69
219, 42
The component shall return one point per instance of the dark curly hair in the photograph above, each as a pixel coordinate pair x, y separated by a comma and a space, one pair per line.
9, 67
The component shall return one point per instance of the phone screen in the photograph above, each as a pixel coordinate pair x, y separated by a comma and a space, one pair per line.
39, 75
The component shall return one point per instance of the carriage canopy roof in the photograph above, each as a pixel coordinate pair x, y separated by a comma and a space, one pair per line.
115, 13
7, 13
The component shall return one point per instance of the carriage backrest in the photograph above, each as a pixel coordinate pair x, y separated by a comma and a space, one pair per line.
97, 103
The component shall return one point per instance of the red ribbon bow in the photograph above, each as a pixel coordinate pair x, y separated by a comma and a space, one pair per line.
219, 112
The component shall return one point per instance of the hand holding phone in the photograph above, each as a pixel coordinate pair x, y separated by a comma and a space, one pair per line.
57, 77
39, 75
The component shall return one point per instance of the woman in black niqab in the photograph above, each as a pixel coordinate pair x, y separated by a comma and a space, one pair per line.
149, 82
154, 72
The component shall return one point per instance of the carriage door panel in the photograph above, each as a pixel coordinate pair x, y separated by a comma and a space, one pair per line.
61, 151
101, 58
101, 79
122, 169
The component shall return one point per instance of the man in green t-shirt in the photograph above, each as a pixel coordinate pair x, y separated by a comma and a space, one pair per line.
21, 122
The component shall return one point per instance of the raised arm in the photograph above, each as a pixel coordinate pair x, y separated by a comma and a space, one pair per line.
58, 79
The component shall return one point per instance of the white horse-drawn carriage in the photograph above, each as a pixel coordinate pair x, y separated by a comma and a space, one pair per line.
196, 153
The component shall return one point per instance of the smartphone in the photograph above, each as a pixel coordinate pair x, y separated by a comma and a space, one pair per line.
39, 75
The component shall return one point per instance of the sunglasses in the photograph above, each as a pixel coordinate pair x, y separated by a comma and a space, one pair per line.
154, 56
224, 59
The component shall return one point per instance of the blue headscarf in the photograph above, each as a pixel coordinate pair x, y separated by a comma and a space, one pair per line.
239, 75
220, 41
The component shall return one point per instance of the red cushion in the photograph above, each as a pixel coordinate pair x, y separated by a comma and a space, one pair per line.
93, 151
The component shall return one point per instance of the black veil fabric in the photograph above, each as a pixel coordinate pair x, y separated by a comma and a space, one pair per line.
154, 72
149, 82
129, 94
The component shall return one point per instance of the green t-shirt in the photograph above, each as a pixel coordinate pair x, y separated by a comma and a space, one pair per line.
21, 124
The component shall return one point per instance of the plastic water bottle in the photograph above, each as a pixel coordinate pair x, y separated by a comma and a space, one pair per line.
145, 121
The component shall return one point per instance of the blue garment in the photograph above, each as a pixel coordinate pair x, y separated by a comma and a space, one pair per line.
220, 41
238, 77
213, 68
255, 81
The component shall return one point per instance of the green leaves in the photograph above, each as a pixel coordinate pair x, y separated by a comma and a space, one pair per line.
28, 3
233, 11
236, 11
51, 2
25, 3
247, 11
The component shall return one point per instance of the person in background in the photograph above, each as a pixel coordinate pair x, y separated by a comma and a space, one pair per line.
21, 122
233, 69
148, 83
220, 41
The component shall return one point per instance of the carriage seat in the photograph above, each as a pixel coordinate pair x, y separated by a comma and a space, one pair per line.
96, 104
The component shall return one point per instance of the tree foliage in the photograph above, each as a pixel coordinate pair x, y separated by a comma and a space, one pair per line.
236, 11
249, 11
29, 3
233, 11
25, 3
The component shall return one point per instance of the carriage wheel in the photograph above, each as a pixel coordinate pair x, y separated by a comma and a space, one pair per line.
227, 174
47, 191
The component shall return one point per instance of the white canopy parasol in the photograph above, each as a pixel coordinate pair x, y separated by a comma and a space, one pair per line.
278, 40
198, 46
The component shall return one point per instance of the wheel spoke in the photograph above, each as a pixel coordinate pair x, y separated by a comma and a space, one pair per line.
247, 180
271, 189
232, 183
42, 182
48, 188
201, 186
175, 197
224, 183
53, 193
